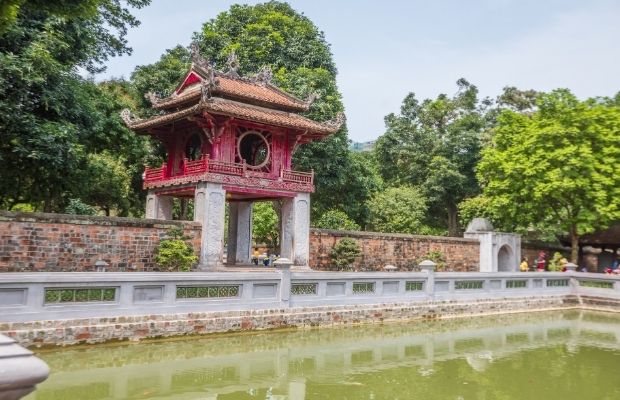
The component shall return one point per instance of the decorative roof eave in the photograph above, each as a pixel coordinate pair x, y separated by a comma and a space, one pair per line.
219, 106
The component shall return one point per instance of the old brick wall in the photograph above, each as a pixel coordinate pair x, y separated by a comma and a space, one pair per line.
60, 242
402, 251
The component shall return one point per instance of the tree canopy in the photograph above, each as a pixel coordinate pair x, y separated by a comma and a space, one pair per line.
434, 145
557, 166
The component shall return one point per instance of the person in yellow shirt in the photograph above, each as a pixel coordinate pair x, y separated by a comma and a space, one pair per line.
255, 256
524, 267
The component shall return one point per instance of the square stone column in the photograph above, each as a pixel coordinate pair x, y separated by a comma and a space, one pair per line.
295, 241
158, 207
209, 210
239, 232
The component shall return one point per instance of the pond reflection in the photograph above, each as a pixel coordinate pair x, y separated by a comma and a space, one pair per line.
560, 355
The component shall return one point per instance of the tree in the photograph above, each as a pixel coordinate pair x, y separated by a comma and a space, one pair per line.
50, 117
435, 145
336, 219
108, 183
265, 224
398, 210
559, 164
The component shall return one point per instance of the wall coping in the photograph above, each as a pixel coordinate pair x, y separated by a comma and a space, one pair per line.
382, 235
12, 216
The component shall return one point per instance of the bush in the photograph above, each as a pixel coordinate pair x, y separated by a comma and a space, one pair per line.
76, 206
344, 252
336, 219
174, 253
437, 257
558, 262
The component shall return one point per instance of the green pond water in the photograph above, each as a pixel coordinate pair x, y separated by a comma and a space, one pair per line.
560, 355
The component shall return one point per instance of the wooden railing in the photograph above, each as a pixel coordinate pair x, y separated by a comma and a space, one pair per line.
221, 167
192, 167
155, 174
297, 176
204, 165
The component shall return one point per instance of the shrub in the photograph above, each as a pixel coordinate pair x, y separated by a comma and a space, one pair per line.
344, 252
336, 219
437, 257
78, 207
174, 253
557, 263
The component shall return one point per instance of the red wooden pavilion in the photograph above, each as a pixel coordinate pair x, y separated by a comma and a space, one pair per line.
232, 138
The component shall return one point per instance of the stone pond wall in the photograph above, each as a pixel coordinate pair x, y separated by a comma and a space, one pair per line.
59, 242
402, 251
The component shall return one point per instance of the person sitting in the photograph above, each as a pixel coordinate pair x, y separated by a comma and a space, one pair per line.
524, 266
255, 256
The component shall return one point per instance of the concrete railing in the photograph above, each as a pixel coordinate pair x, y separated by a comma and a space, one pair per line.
20, 370
54, 296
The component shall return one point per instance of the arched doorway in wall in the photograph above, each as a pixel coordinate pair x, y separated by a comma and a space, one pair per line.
504, 259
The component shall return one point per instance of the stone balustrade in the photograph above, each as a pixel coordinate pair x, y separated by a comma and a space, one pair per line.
61, 296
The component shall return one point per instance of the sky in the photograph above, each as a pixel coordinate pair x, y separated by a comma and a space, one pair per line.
386, 49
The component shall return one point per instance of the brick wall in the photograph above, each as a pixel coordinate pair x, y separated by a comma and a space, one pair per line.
59, 242
402, 251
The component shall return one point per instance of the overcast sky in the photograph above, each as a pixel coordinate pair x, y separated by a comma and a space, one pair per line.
386, 48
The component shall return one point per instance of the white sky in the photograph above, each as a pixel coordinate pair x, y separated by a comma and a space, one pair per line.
385, 49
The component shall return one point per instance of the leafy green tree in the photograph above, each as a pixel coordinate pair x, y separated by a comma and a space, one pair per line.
559, 165
50, 117
265, 224
108, 183
336, 219
398, 210
78, 207
435, 145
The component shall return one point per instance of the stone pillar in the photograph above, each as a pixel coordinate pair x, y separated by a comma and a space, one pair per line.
283, 265
158, 207
20, 370
239, 232
295, 241
209, 210
429, 267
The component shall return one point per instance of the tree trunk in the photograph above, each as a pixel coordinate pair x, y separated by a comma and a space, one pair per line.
453, 221
184, 204
574, 245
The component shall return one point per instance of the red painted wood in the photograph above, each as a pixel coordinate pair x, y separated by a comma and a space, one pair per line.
254, 191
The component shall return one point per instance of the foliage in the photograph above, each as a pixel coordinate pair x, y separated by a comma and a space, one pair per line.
557, 165
437, 257
344, 253
265, 224
77, 207
399, 210
174, 253
108, 183
50, 117
557, 263
336, 219
435, 146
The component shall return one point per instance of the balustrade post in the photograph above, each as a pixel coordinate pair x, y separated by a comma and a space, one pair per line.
20, 370
283, 266
429, 267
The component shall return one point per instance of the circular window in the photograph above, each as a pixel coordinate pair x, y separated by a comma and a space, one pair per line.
254, 149
193, 147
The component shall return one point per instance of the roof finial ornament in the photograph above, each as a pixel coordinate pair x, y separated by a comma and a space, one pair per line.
311, 99
205, 90
197, 59
264, 75
233, 65
128, 118
337, 122
152, 97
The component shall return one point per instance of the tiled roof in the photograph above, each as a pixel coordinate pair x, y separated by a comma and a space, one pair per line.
248, 112
263, 94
